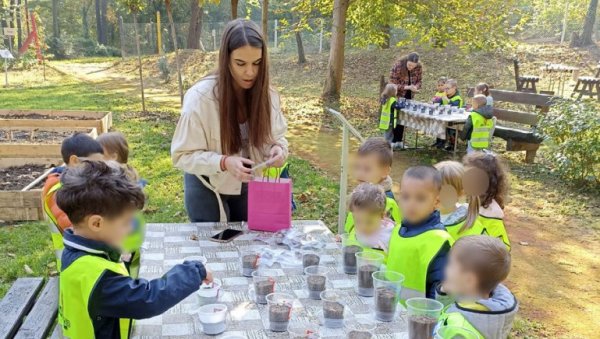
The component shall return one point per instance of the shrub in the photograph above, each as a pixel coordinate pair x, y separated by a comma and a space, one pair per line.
90, 48
60, 47
573, 132
163, 66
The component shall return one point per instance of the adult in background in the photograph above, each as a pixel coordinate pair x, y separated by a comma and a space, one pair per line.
230, 121
406, 74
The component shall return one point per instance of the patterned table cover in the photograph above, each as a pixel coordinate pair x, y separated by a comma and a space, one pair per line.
169, 244
434, 125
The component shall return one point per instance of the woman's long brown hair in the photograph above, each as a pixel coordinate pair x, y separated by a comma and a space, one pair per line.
256, 105
497, 184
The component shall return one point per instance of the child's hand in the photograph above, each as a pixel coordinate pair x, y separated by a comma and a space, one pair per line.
209, 277
338, 238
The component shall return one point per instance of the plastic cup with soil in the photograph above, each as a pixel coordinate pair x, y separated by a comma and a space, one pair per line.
212, 317
360, 328
280, 311
349, 250
316, 280
454, 332
209, 293
264, 284
388, 285
334, 303
303, 330
423, 315
310, 258
367, 263
248, 262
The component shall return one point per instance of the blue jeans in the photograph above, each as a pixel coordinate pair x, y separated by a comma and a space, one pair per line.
202, 206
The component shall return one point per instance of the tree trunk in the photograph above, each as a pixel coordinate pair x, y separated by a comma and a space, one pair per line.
301, 56
137, 46
84, 20
193, 38
333, 82
265, 20
18, 23
588, 26
55, 26
234, 9
103, 10
99, 29
27, 17
174, 36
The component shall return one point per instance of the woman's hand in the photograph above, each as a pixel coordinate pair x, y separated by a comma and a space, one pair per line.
277, 154
235, 166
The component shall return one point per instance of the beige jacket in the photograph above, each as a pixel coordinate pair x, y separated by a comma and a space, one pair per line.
196, 145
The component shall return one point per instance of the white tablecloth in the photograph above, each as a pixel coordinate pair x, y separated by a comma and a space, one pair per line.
434, 125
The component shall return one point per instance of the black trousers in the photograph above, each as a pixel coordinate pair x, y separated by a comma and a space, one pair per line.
399, 129
202, 206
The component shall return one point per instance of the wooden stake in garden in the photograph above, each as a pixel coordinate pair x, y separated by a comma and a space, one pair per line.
174, 37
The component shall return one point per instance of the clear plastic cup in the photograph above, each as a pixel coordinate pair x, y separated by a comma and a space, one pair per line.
349, 250
316, 280
264, 284
360, 328
334, 305
388, 285
279, 311
212, 317
367, 263
209, 293
310, 258
423, 315
248, 262
303, 330
455, 332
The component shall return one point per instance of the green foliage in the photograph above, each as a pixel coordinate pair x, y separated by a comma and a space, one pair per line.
90, 48
573, 129
61, 48
546, 16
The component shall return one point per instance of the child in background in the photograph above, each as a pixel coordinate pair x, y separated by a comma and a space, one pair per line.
389, 112
97, 297
419, 247
373, 164
486, 202
483, 88
116, 148
74, 149
478, 126
452, 98
441, 91
372, 227
453, 214
477, 266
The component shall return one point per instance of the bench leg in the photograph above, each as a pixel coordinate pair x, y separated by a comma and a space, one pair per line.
598, 91
530, 156
576, 89
583, 89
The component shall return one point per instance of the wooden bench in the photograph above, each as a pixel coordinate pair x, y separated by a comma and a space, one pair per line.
518, 139
589, 86
29, 311
525, 83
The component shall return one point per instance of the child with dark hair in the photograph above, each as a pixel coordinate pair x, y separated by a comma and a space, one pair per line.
441, 90
97, 297
476, 268
419, 247
389, 113
74, 149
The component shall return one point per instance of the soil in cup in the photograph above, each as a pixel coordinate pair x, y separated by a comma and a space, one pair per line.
279, 316
365, 280
310, 259
385, 304
333, 314
356, 334
316, 285
262, 288
249, 262
350, 258
421, 327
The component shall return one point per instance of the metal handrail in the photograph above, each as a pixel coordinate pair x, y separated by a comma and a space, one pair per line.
346, 127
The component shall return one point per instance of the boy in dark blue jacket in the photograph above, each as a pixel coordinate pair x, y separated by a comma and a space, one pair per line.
97, 297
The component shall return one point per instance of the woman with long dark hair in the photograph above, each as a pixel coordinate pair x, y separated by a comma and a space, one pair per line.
230, 121
407, 75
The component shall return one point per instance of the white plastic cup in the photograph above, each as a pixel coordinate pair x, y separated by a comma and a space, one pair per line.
349, 250
212, 317
279, 311
316, 280
388, 285
264, 284
359, 328
303, 330
334, 306
423, 315
367, 263
248, 262
209, 293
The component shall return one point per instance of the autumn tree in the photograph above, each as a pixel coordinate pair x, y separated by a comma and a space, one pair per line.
588, 27
333, 81
134, 7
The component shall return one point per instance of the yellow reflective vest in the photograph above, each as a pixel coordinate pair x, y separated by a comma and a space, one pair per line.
454, 230
494, 227
482, 128
388, 115
462, 328
391, 209
77, 282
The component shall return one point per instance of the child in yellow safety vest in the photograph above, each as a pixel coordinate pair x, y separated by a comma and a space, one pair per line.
419, 247
373, 228
373, 164
97, 297
389, 111
441, 91
476, 300
452, 98
479, 125
486, 186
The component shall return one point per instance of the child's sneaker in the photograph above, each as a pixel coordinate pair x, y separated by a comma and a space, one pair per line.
398, 145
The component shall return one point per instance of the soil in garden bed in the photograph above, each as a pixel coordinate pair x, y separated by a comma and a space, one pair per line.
44, 117
16, 178
34, 137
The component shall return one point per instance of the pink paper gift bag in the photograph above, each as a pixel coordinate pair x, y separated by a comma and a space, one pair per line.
269, 204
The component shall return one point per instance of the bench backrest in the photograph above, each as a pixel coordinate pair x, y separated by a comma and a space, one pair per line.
540, 101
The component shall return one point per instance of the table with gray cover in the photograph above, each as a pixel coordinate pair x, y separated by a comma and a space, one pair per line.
169, 244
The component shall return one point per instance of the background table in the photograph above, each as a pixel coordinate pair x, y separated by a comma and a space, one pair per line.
561, 71
169, 244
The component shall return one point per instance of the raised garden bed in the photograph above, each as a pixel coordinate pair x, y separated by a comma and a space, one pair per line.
15, 119
36, 142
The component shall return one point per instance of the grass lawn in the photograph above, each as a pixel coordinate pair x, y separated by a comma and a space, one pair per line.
149, 136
